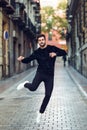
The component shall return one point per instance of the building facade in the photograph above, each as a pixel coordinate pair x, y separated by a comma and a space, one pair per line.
77, 34
20, 22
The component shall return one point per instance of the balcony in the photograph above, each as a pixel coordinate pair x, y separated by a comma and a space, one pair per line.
36, 5
3, 3
35, 2
38, 29
73, 5
32, 1
29, 27
19, 16
38, 18
21, 2
27, 24
33, 28
8, 6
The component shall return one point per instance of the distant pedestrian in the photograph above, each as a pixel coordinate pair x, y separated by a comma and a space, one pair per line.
68, 61
64, 60
45, 56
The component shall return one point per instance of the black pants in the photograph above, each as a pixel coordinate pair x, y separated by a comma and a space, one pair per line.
48, 82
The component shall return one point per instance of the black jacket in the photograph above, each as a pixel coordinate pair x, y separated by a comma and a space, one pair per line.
45, 62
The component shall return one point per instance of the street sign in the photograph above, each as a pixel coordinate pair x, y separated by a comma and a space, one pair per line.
6, 35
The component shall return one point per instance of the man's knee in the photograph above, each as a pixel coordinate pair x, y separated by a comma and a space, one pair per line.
30, 87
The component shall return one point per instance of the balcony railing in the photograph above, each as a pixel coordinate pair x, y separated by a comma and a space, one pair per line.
29, 27
19, 15
21, 2
8, 6
3, 3
38, 29
38, 18
32, 1
27, 23
33, 28
36, 6
73, 5
35, 2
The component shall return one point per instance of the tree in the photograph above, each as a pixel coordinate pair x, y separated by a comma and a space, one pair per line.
47, 18
54, 18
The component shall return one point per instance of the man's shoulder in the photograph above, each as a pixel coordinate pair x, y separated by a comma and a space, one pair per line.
50, 46
36, 50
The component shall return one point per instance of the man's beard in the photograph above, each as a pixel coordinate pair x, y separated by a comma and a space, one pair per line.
42, 44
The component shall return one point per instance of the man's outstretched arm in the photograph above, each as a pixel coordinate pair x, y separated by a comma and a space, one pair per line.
20, 58
60, 52
27, 59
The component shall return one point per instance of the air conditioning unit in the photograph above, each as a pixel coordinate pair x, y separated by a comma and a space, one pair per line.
21, 1
14, 34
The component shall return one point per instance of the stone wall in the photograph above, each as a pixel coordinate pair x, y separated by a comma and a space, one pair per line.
0, 44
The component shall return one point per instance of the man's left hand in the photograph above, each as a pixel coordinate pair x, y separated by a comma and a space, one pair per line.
52, 54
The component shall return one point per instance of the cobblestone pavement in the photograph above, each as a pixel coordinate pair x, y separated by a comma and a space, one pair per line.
67, 109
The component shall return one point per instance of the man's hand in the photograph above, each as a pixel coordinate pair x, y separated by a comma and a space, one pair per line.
52, 54
20, 58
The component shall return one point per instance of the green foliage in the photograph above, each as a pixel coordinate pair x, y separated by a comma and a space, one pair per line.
47, 18
62, 5
51, 19
48, 10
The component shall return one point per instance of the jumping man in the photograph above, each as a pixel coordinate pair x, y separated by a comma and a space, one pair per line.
45, 56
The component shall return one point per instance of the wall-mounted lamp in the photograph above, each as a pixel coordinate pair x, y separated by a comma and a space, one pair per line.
69, 21
70, 16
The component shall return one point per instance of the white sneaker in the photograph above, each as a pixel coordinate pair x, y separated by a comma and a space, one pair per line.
21, 86
38, 117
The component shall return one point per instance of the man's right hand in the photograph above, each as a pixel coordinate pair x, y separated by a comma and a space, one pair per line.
20, 58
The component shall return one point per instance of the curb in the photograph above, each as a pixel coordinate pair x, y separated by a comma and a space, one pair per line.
76, 82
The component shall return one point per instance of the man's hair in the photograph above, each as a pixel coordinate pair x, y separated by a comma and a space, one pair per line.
41, 35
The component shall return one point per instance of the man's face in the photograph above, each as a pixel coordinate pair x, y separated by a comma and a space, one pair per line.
42, 42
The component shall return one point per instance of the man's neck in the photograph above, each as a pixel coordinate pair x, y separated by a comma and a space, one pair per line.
43, 47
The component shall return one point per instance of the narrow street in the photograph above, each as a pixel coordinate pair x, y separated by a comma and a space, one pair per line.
67, 109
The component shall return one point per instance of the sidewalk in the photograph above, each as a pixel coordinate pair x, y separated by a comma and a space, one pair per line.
6, 83
80, 80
